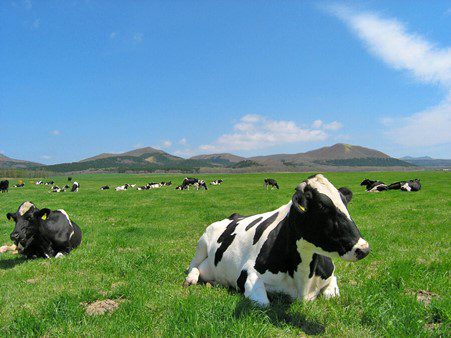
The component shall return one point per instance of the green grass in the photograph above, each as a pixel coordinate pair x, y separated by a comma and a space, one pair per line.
137, 245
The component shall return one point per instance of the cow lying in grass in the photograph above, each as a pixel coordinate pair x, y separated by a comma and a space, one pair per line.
374, 186
411, 185
43, 233
286, 250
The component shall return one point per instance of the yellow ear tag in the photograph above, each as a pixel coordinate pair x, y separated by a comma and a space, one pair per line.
301, 208
44, 217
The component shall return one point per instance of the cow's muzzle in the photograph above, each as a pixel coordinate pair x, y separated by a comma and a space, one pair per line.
359, 251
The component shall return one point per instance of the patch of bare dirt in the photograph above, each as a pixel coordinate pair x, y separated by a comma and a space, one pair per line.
32, 281
101, 307
425, 297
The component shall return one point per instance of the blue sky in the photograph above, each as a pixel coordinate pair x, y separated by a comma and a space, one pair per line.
78, 78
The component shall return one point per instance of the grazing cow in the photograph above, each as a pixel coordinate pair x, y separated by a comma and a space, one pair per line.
188, 181
19, 185
69, 179
39, 183
182, 187
105, 187
43, 233
75, 187
286, 250
4, 186
271, 182
122, 187
216, 182
374, 186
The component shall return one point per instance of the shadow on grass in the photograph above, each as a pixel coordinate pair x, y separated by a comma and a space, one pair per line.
6, 264
279, 314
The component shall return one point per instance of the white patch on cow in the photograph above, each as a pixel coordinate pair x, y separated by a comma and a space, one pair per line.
406, 187
322, 184
68, 219
307, 247
332, 289
59, 255
25, 207
351, 254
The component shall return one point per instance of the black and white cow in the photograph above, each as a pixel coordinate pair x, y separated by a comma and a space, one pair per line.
4, 186
19, 185
188, 181
105, 187
50, 183
374, 186
271, 182
55, 188
122, 187
182, 187
411, 185
200, 184
153, 185
216, 182
43, 233
166, 184
66, 186
286, 250
75, 187
39, 182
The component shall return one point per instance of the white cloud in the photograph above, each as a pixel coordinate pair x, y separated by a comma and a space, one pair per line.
138, 37
183, 142
167, 144
163, 145
46, 157
334, 125
389, 40
55, 132
184, 152
253, 132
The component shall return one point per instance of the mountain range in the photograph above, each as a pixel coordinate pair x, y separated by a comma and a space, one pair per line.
338, 157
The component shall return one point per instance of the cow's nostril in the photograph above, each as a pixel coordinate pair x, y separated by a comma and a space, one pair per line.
362, 253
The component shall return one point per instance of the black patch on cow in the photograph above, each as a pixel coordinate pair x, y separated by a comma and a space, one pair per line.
279, 252
321, 266
255, 221
241, 280
235, 216
225, 239
262, 227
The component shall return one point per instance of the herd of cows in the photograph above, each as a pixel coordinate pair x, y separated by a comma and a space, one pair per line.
287, 250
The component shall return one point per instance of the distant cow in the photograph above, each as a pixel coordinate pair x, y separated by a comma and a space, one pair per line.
19, 185
122, 187
181, 187
39, 182
57, 189
66, 186
153, 185
105, 187
4, 186
287, 250
411, 185
43, 233
271, 182
69, 179
75, 187
374, 186
166, 184
216, 182
50, 183
200, 184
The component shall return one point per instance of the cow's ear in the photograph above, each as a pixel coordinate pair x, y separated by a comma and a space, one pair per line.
43, 214
11, 216
346, 195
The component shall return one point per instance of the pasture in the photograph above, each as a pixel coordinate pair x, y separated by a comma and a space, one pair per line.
137, 245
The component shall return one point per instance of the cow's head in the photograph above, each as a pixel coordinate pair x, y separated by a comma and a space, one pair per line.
26, 224
325, 223
366, 181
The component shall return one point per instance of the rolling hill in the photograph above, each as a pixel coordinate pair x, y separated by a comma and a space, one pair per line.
11, 163
339, 157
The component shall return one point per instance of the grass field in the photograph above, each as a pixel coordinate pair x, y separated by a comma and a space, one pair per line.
137, 245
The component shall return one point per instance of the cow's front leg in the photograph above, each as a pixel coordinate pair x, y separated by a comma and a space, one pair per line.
255, 290
332, 289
